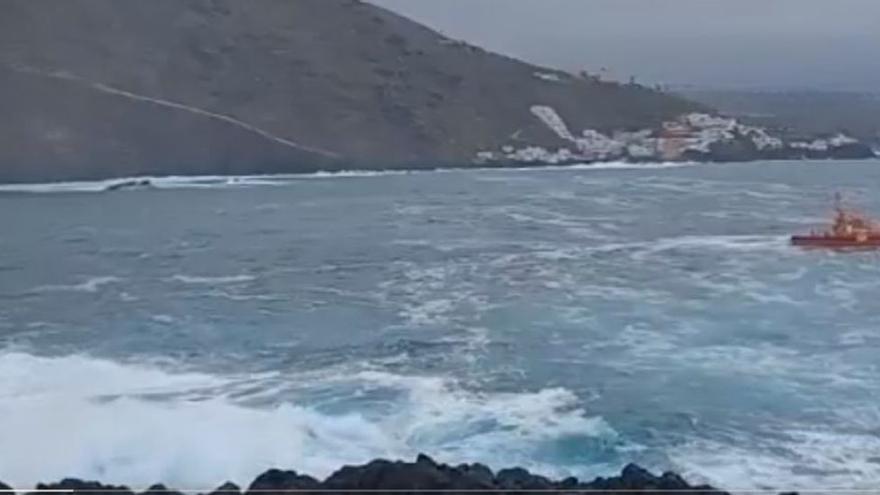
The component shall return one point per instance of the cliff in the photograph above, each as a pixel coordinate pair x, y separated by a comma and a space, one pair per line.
103, 88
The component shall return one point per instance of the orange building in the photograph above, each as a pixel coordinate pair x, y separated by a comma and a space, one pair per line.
674, 139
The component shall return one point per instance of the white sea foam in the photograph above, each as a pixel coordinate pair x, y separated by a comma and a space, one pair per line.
356, 173
91, 285
25, 377
165, 182
425, 295
122, 423
820, 461
632, 166
220, 181
163, 319
57, 187
247, 297
222, 279
619, 165
726, 242
642, 249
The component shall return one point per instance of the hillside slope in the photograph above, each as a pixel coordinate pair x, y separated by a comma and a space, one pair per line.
99, 88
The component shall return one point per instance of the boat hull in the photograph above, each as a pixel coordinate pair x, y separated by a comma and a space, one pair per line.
831, 242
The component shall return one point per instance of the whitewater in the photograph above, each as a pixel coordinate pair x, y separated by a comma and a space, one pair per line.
569, 320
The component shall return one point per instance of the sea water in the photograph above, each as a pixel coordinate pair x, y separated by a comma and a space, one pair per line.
568, 320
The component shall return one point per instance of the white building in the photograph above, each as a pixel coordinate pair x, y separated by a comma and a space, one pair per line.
596, 145
761, 139
815, 145
841, 140
706, 121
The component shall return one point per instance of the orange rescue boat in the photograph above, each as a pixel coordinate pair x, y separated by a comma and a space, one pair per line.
849, 230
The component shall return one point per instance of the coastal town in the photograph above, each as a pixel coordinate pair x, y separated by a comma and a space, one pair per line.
690, 137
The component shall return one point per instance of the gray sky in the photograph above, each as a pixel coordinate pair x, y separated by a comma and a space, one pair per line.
739, 43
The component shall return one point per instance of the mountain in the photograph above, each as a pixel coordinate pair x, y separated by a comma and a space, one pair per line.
103, 88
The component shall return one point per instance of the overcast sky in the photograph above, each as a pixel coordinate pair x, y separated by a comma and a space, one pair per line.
738, 43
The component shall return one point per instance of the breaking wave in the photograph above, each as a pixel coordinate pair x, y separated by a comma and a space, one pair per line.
139, 424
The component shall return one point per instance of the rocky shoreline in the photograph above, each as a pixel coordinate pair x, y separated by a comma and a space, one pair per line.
381, 476
117, 183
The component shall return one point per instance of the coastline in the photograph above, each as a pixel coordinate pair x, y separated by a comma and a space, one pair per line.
109, 184
422, 475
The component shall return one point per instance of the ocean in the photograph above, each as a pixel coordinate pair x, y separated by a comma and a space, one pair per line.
568, 320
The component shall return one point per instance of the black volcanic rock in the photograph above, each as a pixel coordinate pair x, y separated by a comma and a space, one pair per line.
853, 151
392, 475
129, 184
426, 474
672, 481
521, 479
4, 488
85, 487
227, 488
636, 476
739, 149
476, 476
159, 489
100, 88
282, 481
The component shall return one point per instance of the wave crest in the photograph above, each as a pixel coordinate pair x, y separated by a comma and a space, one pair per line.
139, 424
